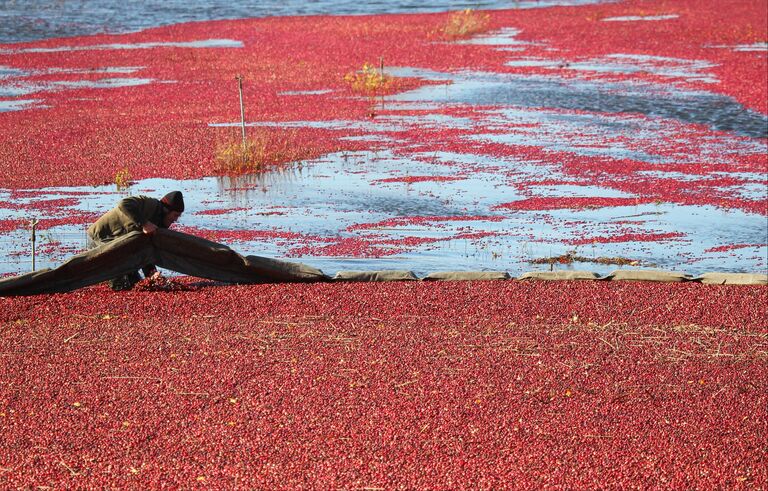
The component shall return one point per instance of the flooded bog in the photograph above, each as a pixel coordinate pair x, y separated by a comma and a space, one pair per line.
536, 161
378, 210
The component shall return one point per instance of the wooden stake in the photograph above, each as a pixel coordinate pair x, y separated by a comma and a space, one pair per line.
381, 73
242, 114
33, 223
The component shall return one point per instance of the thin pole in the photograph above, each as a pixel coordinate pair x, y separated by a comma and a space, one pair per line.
33, 223
381, 73
242, 106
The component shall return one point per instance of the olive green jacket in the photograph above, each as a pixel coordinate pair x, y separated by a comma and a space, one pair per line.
128, 216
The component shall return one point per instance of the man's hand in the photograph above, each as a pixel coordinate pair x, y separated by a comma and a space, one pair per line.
149, 228
156, 276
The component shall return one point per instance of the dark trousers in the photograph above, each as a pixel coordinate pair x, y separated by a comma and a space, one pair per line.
124, 282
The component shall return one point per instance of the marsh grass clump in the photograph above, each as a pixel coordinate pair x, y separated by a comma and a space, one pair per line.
370, 80
266, 148
122, 179
465, 23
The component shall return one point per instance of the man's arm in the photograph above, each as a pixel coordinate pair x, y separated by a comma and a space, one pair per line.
132, 207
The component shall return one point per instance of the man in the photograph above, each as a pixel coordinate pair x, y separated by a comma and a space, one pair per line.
133, 214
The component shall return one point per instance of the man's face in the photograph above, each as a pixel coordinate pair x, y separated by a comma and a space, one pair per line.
170, 218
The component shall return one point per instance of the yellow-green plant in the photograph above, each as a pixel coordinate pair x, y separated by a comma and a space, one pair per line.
122, 178
369, 80
267, 147
465, 23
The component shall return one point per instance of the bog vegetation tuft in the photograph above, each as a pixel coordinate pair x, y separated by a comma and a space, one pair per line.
267, 147
122, 179
370, 80
465, 23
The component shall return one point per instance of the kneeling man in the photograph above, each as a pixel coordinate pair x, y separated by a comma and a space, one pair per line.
132, 214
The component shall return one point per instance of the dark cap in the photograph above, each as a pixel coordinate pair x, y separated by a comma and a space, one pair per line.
174, 201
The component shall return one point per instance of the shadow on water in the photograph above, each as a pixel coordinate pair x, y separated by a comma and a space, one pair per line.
719, 112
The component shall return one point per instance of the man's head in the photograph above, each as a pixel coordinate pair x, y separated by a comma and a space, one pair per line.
173, 207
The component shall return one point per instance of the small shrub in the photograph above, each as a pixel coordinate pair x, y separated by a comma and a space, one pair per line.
465, 23
122, 179
369, 80
268, 147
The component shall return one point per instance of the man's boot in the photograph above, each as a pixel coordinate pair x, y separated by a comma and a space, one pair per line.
125, 282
